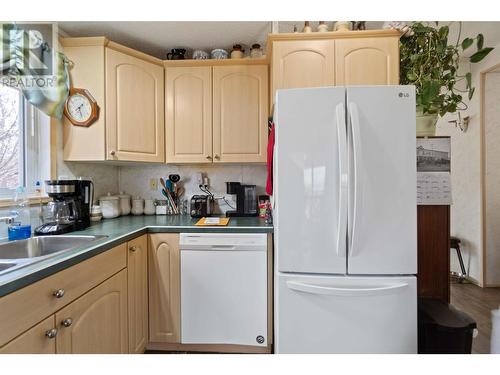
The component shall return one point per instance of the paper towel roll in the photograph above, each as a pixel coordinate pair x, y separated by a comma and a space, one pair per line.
495, 331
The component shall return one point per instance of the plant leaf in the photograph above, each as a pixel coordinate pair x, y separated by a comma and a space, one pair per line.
471, 92
468, 78
479, 55
430, 90
466, 43
480, 41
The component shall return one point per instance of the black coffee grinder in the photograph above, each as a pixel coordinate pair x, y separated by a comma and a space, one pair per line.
246, 199
70, 206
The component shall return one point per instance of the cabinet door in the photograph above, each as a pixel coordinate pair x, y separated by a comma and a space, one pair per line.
135, 126
41, 339
367, 61
164, 288
138, 294
302, 63
80, 142
188, 92
96, 323
240, 113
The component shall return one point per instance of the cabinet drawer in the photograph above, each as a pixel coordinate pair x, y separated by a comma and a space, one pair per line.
34, 341
24, 308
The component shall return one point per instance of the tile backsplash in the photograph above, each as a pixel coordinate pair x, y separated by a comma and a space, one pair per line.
135, 180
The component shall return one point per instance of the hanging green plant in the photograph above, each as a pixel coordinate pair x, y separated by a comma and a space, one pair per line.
431, 63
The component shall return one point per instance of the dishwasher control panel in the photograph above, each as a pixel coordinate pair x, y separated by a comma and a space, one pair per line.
223, 241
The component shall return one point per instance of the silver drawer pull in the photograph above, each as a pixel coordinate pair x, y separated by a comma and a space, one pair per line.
67, 322
59, 293
51, 333
133, 248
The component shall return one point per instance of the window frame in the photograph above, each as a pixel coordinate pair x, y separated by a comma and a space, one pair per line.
34, 150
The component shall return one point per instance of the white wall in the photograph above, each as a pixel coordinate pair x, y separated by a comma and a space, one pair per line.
492, 177
466, 176
135, 179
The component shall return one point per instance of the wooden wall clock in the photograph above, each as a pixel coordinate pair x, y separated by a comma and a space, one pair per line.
81, 108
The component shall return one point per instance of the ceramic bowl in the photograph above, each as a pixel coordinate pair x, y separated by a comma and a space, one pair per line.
219, 54
200, 55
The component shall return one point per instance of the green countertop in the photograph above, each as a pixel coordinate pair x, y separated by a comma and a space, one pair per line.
118, 231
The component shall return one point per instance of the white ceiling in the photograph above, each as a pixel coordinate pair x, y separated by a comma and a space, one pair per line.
157, 38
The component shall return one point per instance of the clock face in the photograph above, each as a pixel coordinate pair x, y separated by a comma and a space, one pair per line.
79, 107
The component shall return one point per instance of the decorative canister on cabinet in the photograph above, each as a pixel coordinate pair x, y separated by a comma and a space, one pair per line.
237, 52
322, 27
307, 28
342, 26
256, 51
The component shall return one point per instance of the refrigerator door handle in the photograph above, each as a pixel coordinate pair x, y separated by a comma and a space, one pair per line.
354, 120
345, 292
343, 178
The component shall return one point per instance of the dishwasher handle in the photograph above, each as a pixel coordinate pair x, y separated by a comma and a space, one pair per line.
222, 247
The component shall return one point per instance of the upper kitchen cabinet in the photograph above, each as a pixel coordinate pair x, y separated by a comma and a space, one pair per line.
240, 113
368, 57
302, 63
216, 111
367, 61
188, 93
134, 108
129, 89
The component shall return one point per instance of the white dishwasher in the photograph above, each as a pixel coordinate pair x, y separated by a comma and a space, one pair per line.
223, 288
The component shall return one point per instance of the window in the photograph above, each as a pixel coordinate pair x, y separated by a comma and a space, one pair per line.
24, 143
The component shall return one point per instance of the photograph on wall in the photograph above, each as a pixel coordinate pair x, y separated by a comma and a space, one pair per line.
433, 154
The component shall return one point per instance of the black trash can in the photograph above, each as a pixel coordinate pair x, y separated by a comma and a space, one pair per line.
442, 329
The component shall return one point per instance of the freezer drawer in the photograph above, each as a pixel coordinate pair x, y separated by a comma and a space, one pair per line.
335, 314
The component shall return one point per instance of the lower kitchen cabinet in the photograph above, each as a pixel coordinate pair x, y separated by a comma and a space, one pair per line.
41, 339
164, 288
97, 321
137, 268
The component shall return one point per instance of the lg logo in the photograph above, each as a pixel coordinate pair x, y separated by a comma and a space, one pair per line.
404, 95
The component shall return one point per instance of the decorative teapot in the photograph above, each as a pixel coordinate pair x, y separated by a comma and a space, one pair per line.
176, 54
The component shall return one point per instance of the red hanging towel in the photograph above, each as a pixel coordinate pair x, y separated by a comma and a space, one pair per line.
270, 151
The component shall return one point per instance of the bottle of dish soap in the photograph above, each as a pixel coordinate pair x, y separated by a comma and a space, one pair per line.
20, 228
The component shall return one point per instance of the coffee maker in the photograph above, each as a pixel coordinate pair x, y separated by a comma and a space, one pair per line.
246, 199
69, 209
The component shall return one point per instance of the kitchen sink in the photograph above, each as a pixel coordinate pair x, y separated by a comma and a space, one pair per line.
6, 266
21, 253
37, 247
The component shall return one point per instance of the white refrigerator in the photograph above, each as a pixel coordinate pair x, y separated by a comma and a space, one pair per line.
345, 220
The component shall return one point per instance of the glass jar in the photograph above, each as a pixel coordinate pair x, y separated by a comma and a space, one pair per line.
256, 51
237, 52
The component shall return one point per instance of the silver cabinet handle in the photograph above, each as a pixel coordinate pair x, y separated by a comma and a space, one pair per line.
217, 157
67, 322
58, 293
133, 248
209, 157
51, 333
112, 153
